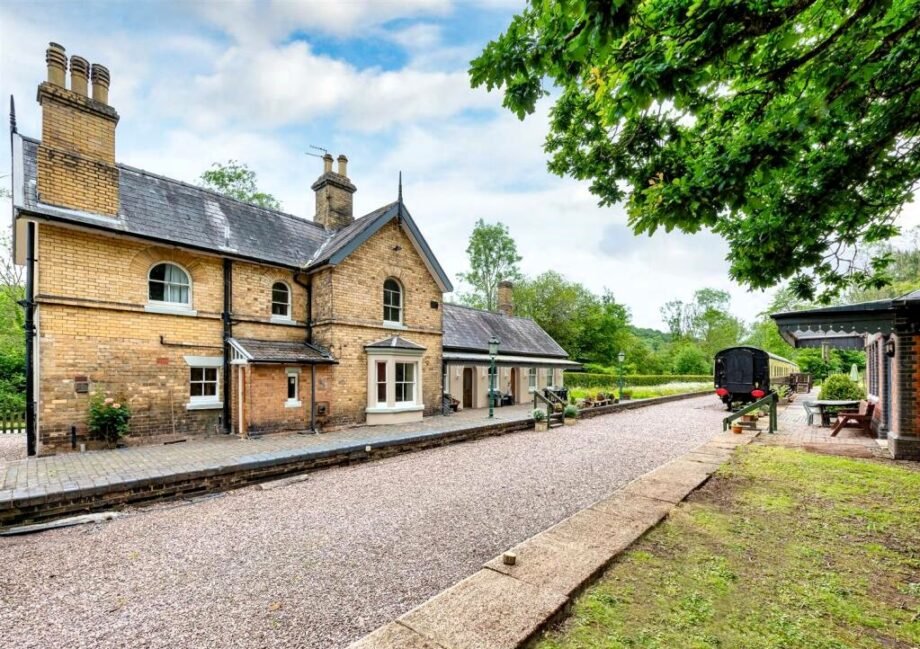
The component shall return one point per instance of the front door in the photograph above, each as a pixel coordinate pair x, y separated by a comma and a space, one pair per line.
467, 387
515, 379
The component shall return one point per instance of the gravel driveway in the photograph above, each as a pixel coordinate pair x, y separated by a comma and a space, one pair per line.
320, 563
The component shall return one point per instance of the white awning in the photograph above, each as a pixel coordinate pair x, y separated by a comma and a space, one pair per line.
471, 358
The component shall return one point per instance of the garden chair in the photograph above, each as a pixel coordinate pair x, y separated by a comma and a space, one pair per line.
812, 409
861, 418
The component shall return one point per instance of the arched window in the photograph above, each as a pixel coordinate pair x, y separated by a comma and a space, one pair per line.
169, 283
392, 301
281, 300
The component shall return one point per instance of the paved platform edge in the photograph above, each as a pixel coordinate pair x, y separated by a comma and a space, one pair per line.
507, 607
35, 508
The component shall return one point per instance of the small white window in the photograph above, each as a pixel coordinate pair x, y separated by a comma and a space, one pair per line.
203, 385
170, 284
392, 302
549, 377
381, 383
405, 382
281, 300
532, 379
445, 380
293, 388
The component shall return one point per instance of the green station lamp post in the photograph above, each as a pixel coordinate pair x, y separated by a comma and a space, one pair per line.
621, 357
493, 352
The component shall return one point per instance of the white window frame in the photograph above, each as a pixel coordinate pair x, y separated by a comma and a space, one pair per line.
289, 373
378, 383
390, 357
445, 380
550, 377
167, 306
204, 363
288, 306
532, 379
400, 308
413, 365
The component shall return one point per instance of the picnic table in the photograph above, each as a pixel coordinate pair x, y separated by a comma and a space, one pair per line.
827, 406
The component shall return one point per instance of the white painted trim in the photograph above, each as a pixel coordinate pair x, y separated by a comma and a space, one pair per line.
165, 308
204, 405
292, 404
394, 325
381, 410
204, 361
277, 319
18, 172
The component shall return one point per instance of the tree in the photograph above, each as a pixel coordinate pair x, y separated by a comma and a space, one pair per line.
690, 359
589, 327
236, 180
791, 127
904, 271
706, 320
493, 257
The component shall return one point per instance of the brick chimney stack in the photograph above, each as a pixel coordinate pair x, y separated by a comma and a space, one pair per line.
334, 195
506, 298
76, 157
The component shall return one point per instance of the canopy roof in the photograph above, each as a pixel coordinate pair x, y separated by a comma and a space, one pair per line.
843, 326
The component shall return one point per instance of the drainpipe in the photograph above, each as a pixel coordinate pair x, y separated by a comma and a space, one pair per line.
228, 333
308, 285
29, 305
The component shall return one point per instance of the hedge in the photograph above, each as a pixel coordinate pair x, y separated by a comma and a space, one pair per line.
588, 380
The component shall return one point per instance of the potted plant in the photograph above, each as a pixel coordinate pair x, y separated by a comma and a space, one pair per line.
570, 415
539, 420
627, 395
736, 427
108, 418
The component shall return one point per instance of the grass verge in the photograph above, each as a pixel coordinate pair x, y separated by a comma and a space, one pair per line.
782, 549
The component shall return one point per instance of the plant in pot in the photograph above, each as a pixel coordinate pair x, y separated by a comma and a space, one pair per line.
109, 418
736, 427
539, 420
570, 415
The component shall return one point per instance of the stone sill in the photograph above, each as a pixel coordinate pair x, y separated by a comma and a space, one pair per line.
204, 405
170, 310
383, 410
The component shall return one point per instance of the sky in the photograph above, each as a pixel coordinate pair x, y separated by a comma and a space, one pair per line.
384, 82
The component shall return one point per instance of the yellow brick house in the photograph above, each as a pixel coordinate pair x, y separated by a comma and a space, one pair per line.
208, 315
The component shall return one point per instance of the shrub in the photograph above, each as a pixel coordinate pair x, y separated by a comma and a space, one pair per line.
538, 414
570, 412
839, 387
108, 417
608, 381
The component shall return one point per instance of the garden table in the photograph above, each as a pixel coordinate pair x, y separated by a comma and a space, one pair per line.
826, 405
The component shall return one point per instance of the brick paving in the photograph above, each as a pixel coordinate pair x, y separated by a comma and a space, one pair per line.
794, 431
41, 476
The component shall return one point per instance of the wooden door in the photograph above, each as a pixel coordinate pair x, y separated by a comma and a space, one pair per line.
467, 387
515, 379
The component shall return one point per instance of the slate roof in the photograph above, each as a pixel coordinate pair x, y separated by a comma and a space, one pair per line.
176, 213
273, 351
394, 342
468, 329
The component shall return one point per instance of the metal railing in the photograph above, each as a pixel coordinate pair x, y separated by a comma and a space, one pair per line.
770, 401
13, 421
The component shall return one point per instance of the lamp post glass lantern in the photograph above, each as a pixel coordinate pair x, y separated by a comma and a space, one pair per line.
621, 357
493, 352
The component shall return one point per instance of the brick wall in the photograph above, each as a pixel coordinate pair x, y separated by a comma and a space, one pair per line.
92, 290
76, 157
348, 319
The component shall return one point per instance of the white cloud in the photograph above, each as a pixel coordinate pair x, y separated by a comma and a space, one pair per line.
253, 21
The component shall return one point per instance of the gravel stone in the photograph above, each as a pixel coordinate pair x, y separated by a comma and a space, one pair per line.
321, 563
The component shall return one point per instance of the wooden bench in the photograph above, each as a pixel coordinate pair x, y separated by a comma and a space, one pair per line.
861, 418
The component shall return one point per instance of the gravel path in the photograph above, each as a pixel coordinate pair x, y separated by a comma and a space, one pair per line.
320, 563
12, 447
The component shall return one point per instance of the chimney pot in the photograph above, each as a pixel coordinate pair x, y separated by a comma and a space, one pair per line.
506, 298
56, 58
343, 166
327, 163
101, 79
79, 72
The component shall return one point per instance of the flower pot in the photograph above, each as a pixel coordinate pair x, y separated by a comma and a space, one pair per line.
570, 421
736, 428
541, 426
